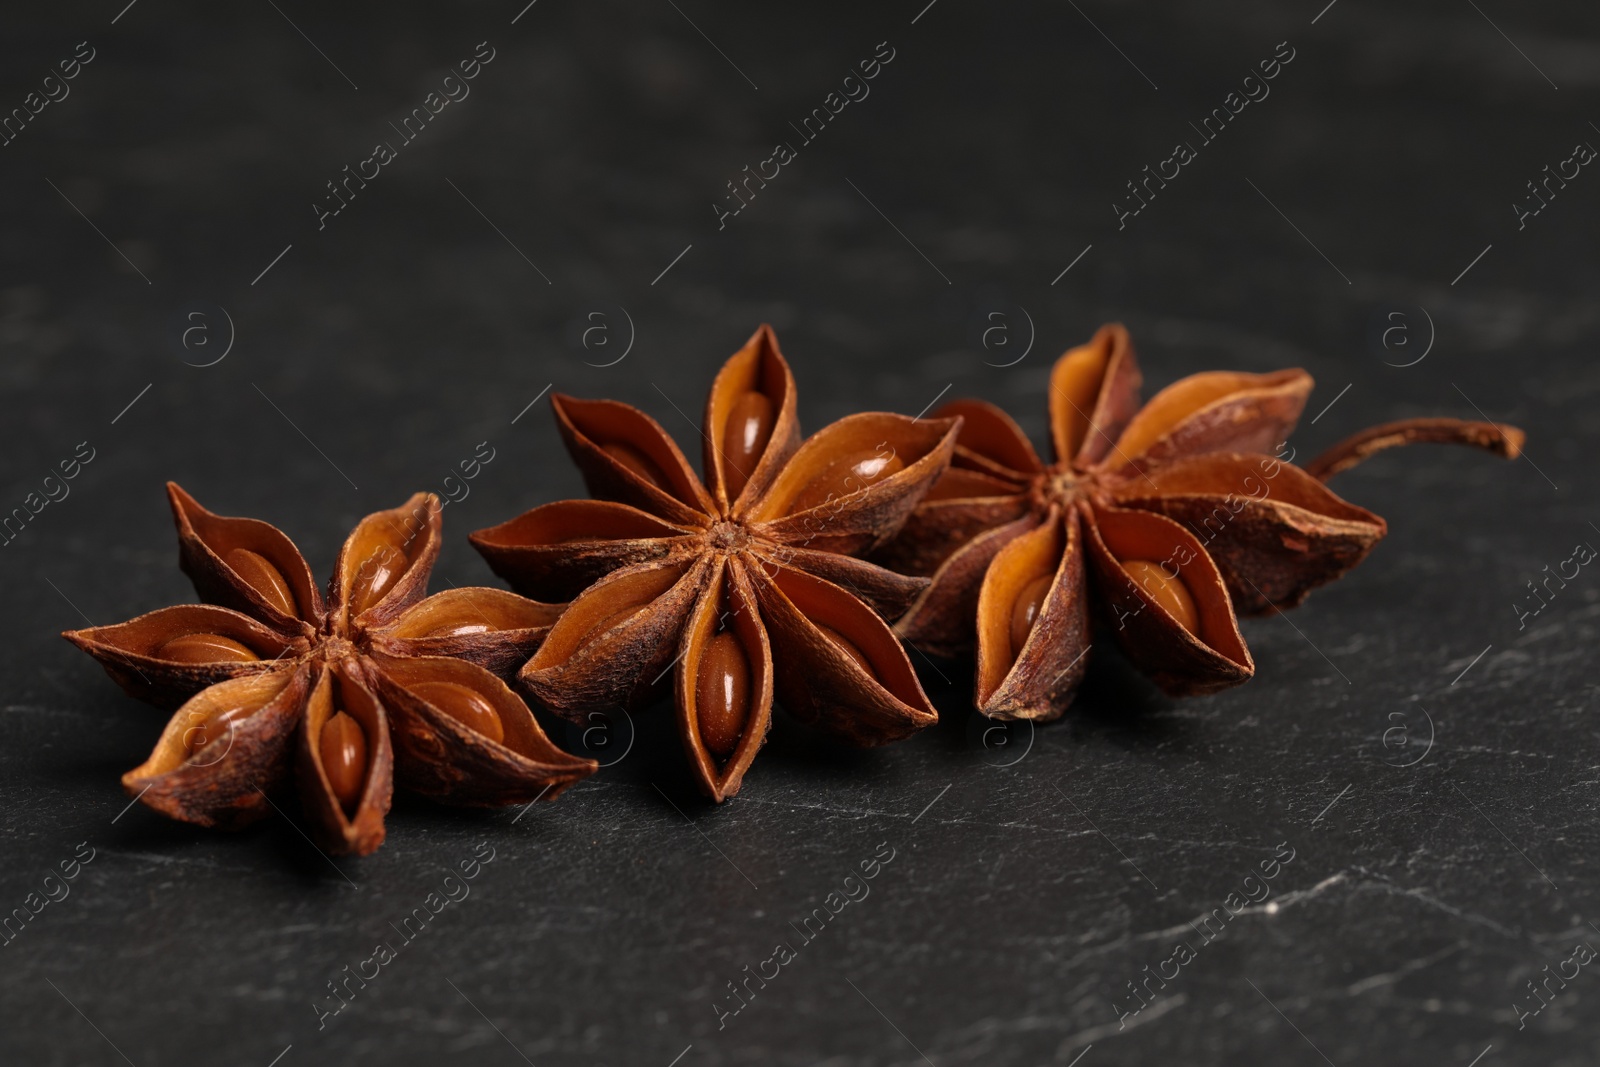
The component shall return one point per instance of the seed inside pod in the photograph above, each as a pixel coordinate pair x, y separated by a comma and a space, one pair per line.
214, 727
848, 474
461, 629
722, 694
1166, 590
1025, 611
748, 430
637, 462
468, 707
376, 576
259, 574
343, 747
847, 646
205, 648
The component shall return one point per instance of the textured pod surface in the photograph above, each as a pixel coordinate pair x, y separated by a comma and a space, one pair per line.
558, 550
1189, 519
361, 830
223, 784
495, 629
1035, 679
1001, 926
439, 756
726, 613
694, 577
260, 685
1274, 531
131, 651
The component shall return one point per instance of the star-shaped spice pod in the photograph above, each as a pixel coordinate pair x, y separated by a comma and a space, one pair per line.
743, 583
375, 684
1157, 525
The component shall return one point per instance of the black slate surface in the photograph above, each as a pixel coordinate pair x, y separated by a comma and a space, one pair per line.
1418, 746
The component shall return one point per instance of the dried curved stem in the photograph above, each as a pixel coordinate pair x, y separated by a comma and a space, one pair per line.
1500, 438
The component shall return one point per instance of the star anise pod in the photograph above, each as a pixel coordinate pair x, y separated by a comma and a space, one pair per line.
341, 696
1157, 525
744, 583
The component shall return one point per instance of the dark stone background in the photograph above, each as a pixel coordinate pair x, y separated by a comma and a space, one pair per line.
1021, 898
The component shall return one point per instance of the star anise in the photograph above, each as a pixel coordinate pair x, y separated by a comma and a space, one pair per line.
375, 684
744, 583
1173, 519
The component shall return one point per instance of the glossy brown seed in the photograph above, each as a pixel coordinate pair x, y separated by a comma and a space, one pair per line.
453, 629
205, 648
848, 647
848, 474
1025, 611
748, 430
741, 545
213, 728
259, 574
466, 706
637, 462
1166, 590
722, 694
375, 578
343, 747
326, 715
